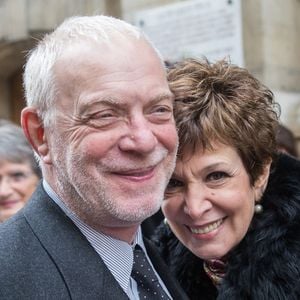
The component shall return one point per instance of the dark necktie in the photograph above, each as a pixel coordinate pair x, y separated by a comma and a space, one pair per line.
143, 274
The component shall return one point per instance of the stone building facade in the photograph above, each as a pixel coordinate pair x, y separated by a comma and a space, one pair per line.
271, 30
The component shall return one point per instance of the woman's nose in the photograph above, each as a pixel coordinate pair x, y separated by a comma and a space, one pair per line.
196, 201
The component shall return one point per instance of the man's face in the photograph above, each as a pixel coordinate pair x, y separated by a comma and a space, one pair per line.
114, 143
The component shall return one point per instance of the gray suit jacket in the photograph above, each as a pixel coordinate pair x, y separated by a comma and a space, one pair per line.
43, 255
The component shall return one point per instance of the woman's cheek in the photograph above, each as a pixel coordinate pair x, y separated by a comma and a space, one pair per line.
171, 207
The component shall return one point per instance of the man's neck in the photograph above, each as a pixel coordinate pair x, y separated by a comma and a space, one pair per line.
126, 234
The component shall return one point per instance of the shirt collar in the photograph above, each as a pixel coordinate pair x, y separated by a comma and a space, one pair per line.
116, 254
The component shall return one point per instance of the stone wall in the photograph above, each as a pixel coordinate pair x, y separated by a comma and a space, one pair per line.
22, 22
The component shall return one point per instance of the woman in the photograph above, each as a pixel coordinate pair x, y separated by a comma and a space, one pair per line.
231, 202
19, 172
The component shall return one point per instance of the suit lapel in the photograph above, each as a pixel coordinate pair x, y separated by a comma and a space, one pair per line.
85, 274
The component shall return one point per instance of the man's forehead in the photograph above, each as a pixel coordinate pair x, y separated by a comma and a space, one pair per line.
114, 44
88, 55
81, 59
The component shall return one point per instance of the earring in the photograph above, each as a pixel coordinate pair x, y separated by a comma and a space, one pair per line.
258, 208
166, 221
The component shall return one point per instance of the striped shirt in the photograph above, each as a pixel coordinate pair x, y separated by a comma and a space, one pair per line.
116, 254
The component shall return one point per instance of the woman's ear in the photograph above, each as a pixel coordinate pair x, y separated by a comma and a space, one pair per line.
262, 181
34, 131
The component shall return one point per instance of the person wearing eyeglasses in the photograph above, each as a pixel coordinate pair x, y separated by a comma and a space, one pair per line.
19, 172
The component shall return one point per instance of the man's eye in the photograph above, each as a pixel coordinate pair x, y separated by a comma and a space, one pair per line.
162, 109
161, 113
103, 119
216, 176
103, 115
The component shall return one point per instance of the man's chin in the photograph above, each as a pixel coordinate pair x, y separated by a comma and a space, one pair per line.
131, 218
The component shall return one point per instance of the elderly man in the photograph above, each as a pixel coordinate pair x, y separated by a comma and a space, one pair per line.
99, 117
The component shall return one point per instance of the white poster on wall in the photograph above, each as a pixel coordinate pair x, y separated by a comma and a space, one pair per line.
195, 28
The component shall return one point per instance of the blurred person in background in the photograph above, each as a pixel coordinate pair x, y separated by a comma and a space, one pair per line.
286, 141
233, 201
19, 171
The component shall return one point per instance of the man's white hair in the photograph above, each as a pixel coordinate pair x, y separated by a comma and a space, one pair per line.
39, 81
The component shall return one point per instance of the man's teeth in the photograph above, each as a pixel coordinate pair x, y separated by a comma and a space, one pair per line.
208, 228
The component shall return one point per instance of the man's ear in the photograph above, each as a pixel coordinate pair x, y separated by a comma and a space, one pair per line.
34, 131
262, 181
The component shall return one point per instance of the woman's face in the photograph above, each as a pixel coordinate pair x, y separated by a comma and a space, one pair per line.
17, 183
209, 201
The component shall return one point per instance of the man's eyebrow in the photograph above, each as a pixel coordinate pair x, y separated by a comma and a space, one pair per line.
105, 99
163, 96
110, 101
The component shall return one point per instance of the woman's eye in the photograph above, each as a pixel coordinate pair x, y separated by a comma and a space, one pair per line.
216, 176
173, 184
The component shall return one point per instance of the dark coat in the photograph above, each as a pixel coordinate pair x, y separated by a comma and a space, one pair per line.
266, 264
43, 255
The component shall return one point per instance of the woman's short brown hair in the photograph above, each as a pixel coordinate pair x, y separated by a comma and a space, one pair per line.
221, 102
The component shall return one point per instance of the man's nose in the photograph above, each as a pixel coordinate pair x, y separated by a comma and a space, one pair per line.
140, 137
196, 201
